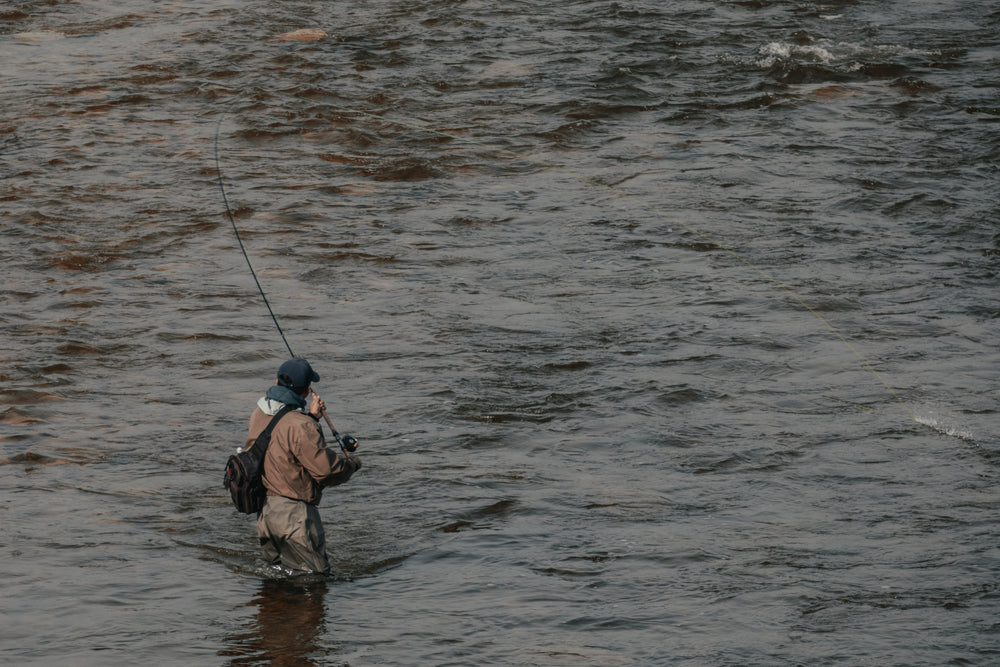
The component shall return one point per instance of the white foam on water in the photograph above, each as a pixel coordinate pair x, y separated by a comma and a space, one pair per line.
945, 426
826, 52
783, 51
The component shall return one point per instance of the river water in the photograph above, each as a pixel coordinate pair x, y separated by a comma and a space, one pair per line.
669, 330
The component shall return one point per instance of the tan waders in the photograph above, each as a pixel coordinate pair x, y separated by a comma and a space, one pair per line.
291, 534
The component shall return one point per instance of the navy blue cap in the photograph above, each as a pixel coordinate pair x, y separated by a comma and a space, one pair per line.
297, 374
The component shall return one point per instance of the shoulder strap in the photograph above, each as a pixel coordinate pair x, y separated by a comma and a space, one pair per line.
265, 436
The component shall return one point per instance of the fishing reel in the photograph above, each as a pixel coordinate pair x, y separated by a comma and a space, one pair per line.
348, 443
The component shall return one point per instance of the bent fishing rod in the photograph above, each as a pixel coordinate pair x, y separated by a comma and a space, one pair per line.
348, 443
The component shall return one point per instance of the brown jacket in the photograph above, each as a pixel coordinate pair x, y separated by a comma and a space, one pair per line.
298, 463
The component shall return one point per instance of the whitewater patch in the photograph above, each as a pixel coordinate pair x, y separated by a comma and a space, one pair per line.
946, 426
825, 52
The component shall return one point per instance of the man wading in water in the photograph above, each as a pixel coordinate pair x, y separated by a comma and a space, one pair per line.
297, 467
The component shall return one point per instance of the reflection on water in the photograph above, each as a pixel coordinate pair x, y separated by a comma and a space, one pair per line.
290, 618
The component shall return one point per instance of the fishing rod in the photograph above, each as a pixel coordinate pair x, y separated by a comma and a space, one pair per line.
348, 443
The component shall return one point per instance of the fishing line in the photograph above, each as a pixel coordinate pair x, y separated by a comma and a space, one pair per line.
232, 221
630, 197
348, 443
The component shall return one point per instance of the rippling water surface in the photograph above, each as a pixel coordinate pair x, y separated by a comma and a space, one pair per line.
669, 329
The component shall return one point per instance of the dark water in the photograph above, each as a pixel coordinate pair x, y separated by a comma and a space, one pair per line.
669, 329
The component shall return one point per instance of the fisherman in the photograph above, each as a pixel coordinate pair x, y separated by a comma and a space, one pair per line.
297, 467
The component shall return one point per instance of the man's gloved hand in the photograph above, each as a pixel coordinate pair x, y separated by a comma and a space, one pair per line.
356, 460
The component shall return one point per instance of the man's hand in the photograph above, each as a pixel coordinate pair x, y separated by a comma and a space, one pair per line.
318, 406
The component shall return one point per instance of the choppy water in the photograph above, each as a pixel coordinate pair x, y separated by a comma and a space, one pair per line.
669, 329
